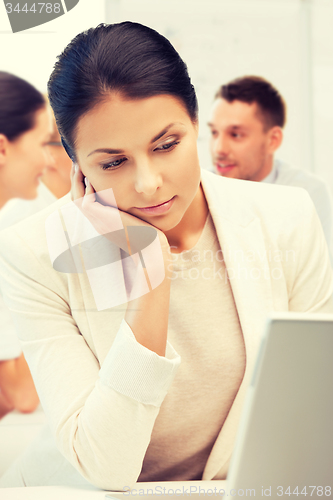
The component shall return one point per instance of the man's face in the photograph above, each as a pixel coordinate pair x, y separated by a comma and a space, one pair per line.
240, 146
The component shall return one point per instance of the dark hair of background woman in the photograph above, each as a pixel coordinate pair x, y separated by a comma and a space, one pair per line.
19, 101
128, 58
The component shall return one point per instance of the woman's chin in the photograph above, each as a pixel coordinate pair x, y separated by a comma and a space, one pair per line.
28, 194
166, 225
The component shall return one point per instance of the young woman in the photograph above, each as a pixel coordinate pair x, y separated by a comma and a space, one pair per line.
25, 128
151, 389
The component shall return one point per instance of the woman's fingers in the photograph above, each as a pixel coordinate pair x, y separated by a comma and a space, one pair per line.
89, 195
72, 181
72, 171
89, 188
108, 220
78, 187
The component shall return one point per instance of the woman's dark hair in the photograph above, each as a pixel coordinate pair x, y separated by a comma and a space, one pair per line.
19, 101
249, 89
128, 58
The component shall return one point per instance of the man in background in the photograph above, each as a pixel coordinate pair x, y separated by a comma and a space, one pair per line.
246, 125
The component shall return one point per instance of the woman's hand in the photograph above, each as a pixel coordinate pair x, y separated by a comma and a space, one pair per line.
116, 225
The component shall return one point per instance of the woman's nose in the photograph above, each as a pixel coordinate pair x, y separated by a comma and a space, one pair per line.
49, 158
147, 178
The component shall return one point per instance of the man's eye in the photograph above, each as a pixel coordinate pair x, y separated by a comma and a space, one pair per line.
112, 164
167, 146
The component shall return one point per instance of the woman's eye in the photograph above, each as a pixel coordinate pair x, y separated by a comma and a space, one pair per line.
112, 164
167, 146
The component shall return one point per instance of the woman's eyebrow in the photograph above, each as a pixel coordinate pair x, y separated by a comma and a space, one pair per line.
164, 131
121, 151
107, 150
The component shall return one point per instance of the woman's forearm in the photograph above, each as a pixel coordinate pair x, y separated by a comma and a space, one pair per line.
148, 315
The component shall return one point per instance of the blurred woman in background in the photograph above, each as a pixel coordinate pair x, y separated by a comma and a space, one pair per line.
55, 182
25, 130
56, 177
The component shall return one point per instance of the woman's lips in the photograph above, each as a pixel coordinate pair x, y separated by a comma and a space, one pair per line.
157, 209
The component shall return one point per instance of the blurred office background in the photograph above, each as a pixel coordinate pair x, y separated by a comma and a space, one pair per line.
289, 42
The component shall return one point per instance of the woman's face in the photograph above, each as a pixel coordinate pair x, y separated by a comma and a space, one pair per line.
57, 174
62, 163
26, 158
145, 150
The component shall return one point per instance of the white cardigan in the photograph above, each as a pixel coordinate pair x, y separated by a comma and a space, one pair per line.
101, 418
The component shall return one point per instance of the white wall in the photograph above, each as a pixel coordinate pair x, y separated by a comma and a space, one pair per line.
322, 57
31, 54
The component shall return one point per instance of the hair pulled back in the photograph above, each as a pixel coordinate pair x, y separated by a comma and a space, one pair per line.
19, 101
128, 58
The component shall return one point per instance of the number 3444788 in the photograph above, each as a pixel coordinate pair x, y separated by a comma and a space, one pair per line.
316, 491
35, 8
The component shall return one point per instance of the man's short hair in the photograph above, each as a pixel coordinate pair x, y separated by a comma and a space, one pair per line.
251, 89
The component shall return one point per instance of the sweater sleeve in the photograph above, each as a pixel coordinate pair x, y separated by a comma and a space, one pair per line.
101, 417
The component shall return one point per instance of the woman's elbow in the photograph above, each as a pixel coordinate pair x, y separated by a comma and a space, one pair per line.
120, 484
25, 401
111, 478
17, 385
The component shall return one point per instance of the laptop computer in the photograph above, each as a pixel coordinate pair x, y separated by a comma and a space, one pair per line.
284, 445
